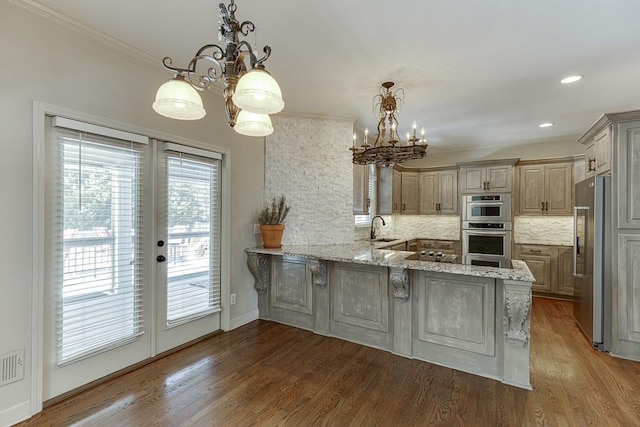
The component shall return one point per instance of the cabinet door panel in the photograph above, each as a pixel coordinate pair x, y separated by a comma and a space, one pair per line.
473, 180
558, 189
602, 152
531, 189
428, 192
410, 196
499, 178
540, 266
360, 189
448, 182
629, 173
397, 192
565, 271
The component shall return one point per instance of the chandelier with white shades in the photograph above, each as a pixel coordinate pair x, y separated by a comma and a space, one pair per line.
250, 93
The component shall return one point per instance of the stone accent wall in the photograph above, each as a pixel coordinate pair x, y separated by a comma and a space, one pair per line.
308, 160
440, 227
544, 230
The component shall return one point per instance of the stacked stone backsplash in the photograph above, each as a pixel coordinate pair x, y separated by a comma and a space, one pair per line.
439, 227
308, 160
544, 230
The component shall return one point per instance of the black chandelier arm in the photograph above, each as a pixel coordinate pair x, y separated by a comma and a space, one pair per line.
253, 60
167, 62
217, 55
203, 81
247, 27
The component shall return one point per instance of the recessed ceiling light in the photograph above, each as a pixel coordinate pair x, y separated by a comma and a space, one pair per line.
546, 124
571, 79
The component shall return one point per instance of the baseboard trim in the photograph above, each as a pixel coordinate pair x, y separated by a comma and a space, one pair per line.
15, 414
236, 322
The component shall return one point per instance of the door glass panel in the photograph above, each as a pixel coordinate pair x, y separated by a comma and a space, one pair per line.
486, 211
489, 245
193, 275
99, 295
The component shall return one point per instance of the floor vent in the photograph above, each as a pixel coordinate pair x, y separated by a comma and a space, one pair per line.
11, 367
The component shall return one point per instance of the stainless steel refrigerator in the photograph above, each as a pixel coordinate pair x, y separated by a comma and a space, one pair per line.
592, 260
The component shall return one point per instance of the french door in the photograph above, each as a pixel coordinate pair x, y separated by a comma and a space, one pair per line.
188, 244
129, 272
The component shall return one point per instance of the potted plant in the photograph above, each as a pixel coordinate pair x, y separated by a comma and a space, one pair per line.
271, 220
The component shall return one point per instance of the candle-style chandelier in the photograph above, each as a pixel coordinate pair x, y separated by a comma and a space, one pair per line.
250, 93
389, 149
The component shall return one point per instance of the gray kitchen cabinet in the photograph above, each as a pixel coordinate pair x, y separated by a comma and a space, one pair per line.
388, 191
552, 266
389, 197
397, 192
615, 143
598, 153
439, 192
410, 193
493, 176
565, 270
545, 189
361, 200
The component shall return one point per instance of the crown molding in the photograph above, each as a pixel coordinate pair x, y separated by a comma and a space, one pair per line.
75, 25
605, 120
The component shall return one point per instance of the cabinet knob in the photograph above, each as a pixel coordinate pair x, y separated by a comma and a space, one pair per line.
592, 165
161, 258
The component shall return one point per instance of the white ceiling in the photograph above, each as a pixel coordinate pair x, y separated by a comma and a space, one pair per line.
475, 73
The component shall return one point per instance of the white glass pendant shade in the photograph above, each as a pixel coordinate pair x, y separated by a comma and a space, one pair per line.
258, 92
177, 99
252, 124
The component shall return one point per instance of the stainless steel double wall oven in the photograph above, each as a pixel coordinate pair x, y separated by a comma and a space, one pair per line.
486, 229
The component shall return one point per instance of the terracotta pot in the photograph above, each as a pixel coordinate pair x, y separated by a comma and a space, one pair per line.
272, 235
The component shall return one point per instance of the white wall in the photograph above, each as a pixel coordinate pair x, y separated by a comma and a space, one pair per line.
308, 160
45, 61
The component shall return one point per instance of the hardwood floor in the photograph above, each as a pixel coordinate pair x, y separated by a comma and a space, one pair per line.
267, 374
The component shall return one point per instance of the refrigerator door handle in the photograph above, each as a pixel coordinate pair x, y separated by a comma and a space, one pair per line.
576, 245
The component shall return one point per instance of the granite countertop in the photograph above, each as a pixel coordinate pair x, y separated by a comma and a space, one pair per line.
364, 252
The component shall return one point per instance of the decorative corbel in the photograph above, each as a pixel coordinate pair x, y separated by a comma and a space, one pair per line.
518, 310
400, 280
259, 267
318, 272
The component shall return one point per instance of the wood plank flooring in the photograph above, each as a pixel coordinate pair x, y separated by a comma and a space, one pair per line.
269, 374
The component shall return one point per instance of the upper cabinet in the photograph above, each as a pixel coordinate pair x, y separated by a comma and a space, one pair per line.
487, 176
598, 153
545, 188
361, 200
439, 192
410, 193
389, 191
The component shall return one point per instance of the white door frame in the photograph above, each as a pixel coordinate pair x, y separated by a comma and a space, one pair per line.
40, 110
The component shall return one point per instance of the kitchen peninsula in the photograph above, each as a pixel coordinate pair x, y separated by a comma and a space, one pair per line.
471, 318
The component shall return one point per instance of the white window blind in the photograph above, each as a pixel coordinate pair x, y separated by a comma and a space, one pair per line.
362, 220
93, 247
193, 211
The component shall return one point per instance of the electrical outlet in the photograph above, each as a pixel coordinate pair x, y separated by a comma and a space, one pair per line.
256, 228
232, 299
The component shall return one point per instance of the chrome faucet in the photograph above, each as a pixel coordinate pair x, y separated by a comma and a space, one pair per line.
373, 229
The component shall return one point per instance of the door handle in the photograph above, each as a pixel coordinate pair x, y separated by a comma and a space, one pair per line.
161, 258
542, 206
403, 206
546, 206
576, 246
